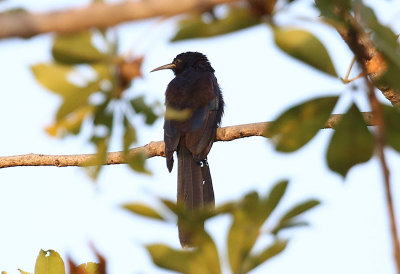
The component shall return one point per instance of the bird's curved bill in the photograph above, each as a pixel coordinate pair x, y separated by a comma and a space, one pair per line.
168, 66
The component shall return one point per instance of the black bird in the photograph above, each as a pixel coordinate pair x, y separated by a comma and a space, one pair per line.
194, 95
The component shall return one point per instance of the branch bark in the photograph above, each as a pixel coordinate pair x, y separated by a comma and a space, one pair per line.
152, 149
25, 24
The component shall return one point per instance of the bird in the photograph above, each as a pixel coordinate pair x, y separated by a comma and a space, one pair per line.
195, 99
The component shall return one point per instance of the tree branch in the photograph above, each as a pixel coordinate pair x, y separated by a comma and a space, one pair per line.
25, 24
373, 61
152, 149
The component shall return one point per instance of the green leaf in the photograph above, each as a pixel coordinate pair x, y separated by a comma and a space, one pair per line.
143, 210
274, 197
76, 48
129, 135
49, 262
299, 124
352, 143
269, 252
140, 106
391, 117
54, 77
288, 224
305, 47
21, 271
244, 230
194, 26
137, 162
299, 209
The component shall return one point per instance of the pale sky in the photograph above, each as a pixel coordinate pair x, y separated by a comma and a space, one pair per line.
61, 209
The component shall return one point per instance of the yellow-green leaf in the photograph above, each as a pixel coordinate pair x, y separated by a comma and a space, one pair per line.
129, 135
143, 210
49, 262
54, 77
352, 143
76, 48
299, 124
299, 209
171, 259
137, 162
305, 47
271, 201
257, 259
244, 231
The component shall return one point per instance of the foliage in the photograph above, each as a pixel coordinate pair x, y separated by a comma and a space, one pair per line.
250, 215
92, 85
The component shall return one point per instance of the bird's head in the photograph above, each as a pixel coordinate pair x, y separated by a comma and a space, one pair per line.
186, 60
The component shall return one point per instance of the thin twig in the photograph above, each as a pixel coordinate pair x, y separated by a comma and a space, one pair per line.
150, 150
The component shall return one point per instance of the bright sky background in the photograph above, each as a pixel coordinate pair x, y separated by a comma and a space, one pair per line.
61, 209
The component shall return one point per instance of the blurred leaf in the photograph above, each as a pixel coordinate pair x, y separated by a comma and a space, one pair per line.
21, 271
94, 165
329, 9
78, 97
54, 77
71, 123
176, 114
305, 47
129, 135
244, 230
49, 262
137, 162
288, 224
224, 208
391, 117
299, 209
140, 106
76, 48
274, 197
352, 143
143, 210
195, 27
172, 259
203, 259
257, 259
299, 124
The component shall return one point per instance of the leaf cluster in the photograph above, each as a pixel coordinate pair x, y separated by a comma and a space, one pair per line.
250, 215
92, 85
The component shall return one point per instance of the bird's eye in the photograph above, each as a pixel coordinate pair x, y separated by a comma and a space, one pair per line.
178, 61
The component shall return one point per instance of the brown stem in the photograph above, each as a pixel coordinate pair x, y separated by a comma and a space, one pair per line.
355, 34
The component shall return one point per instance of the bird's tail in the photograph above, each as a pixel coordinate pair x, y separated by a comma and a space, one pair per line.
195, 190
